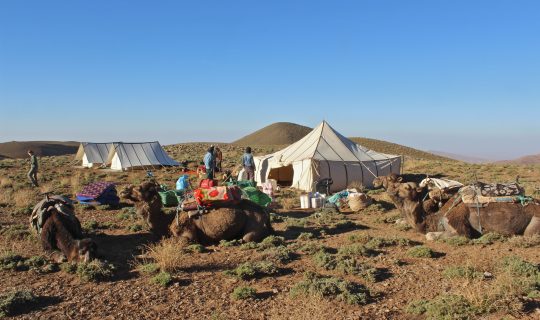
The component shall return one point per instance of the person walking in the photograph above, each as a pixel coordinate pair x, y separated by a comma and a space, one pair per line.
32, 174
209, 161
249, 164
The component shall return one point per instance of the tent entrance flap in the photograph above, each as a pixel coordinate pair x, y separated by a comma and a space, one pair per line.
283, 175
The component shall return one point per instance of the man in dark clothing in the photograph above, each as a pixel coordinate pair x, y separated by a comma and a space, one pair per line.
249, 164
32, 174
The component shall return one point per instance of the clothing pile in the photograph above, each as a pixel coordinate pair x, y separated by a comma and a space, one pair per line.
98, 193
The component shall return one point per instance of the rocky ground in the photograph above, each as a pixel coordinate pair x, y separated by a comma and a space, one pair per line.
390, 277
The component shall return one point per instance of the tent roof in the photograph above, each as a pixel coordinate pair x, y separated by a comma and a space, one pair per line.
141, 154
325, 143
95, 152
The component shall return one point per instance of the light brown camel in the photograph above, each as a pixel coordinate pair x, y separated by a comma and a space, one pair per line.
60, 231
245, 220
457, 218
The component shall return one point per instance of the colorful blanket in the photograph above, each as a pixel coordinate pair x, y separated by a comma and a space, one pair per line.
99, 192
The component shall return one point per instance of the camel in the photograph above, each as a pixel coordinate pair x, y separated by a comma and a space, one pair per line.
245, 220
457, 218
60, 231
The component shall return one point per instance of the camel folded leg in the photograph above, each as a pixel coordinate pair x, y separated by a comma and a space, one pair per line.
533, 227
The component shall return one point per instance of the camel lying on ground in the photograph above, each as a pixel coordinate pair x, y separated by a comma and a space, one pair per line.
60, 231
245, 220
457, 218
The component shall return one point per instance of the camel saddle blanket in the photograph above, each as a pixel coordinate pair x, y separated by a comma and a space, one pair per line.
440, 184
499, 190
471, 195
40, 213
218, 195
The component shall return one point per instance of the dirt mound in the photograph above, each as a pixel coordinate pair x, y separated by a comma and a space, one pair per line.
18, 149
279, 133
532, 159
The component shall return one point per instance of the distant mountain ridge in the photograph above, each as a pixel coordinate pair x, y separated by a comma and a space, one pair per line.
286, 133
530, 159
18, 149
460, 157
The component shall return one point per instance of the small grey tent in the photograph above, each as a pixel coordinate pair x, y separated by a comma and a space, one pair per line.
93, 154
124, 156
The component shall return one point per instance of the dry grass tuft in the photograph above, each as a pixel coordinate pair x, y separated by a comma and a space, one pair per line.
6, 183
24, 198
168, 254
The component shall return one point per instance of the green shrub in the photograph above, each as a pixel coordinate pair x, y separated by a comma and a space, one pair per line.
279, 254
231, 243
16, 232
489, 238
149, 268
95, 270
163, 278
69, 267
331, 288
271, 242
304, 236
249, 246
421, 252
135, 227
243, 293
90, 225
444, 307
357, 250
379, 242
251, 270
11, 261
324, 260
311, 248
467, 272
193, 248
456, 241
15, 300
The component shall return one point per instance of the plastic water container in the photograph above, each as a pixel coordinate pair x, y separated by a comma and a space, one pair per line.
317, 202
305, 201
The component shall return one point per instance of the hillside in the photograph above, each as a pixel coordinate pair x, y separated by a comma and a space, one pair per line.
279, 133
18, 149
531, 159
394, 148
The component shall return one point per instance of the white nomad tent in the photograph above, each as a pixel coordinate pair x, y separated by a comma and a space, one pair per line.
124, 156
93, 154
324, 153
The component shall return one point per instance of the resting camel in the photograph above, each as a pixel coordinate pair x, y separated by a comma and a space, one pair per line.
457, 218
392, 180
245, 220
60, 231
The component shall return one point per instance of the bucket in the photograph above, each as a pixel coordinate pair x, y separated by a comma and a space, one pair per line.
316, 202
304, 201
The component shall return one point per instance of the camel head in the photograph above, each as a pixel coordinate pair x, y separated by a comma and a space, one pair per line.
184, 227
385, 181
84, 250
408, 190
146, 192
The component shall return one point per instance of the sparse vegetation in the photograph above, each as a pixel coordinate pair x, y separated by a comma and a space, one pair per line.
243, 293
421, 252
251, 270
95, 270
167, 254
489, 238
525, 241
14, 300
445, 307
163, 278
456, 241
331, 288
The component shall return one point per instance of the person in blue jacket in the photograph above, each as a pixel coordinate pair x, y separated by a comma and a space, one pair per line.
249, 164
209, 163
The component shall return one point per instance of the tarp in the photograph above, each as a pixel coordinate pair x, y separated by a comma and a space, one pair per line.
145, 155
325, 153
92, 154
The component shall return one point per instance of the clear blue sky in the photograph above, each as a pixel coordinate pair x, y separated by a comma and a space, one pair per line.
457, 76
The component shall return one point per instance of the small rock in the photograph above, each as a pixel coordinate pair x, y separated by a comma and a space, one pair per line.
488, 275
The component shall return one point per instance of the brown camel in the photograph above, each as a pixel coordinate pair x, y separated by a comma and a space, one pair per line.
457, 218
60, 231
245, 220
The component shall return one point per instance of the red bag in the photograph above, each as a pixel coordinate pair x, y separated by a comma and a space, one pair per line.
208, 183
218, 195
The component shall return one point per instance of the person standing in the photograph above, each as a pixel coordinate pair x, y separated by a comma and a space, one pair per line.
218, 158
249, 164
32, 174
209, 161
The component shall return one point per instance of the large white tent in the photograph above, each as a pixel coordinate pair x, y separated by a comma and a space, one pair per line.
93, 154
325, 153
144, 155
